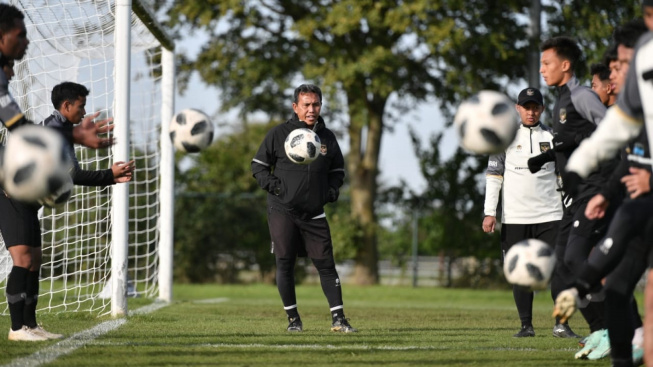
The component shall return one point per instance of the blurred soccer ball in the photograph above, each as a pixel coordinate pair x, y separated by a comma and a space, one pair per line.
37, 165
487, 122
302, 146
191, 131
529, 263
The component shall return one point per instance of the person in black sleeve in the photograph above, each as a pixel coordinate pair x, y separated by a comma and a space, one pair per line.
20, 226
576, 114
69, 101
296, 198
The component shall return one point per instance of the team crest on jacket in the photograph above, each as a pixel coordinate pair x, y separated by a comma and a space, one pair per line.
544, 146
323, 149
563, 115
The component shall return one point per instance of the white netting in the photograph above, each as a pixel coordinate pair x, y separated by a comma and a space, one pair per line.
73, 40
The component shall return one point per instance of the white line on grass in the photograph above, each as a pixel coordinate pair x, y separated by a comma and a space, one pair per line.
80, 339
212, 300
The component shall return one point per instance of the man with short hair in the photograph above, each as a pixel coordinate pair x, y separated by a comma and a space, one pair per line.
601, 84
576, 114
296, 198
531, 205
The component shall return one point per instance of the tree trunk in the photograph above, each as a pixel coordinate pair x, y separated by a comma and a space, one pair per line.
362, 164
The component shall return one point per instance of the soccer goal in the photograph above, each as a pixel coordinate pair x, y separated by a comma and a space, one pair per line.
104, 244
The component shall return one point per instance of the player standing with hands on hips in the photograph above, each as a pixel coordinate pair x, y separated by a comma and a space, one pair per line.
295, 204
531, 206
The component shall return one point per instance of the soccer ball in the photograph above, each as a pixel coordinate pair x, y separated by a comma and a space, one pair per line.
487, 122
302, 146
37, 165
191, 131
529, 263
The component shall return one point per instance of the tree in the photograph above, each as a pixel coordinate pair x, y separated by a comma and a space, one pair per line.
361, 52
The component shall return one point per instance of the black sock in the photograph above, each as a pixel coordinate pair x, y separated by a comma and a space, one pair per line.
16, 289
524, 303
337, 314
31, 299
292, 312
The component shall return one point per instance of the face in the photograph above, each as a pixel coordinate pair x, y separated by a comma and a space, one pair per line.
614, 71
307, 107
530, 113
602, 88
74, 112
624, 55
553, 68
13, 43
648, 16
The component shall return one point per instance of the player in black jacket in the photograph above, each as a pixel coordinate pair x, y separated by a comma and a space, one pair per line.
20, 225
296, 198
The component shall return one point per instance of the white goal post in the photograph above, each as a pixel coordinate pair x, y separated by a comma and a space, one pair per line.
105, 243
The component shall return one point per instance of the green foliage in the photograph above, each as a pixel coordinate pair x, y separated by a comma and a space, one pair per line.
220, 212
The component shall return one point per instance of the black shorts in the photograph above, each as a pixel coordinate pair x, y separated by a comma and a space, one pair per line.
513, 233
574, 221
19, 222
292, 236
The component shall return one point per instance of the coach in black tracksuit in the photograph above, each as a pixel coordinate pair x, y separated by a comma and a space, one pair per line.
296, 198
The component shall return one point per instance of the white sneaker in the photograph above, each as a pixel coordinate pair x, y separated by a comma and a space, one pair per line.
48, 335
25, 334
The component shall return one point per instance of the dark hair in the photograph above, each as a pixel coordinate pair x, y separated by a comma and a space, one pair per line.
600, 69
565, 47
67, 91
306, 88
610, 55
628, 33
8, 16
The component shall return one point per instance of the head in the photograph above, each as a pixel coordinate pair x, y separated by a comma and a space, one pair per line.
307, 103
70, 100
559, 57
625, 37
601, 83
13, 34
647, 13
8, 68
530, 105
611, 60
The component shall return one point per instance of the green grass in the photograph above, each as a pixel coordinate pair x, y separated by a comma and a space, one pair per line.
398, 327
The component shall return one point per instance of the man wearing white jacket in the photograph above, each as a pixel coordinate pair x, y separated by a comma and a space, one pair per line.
531, 205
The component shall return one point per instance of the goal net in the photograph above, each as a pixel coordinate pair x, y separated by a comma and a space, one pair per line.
74, 40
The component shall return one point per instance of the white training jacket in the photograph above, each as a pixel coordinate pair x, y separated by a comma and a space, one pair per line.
528, 198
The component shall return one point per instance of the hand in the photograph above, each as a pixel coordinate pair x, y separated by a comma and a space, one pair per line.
637, 182
570, 182
122, 172
86, 133
535, 163
566, 304
565, 142
489, 222
596, 207
332, 195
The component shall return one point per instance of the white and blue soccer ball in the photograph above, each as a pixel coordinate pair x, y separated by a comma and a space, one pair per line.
487, 122
191, 131
37, 165
302, 146
529, 264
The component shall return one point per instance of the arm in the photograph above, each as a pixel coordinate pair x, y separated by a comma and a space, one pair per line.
92, 178
614, 132
493, 183
262, 166
336, 173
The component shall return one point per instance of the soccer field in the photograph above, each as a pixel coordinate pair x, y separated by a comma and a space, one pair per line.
245, 326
